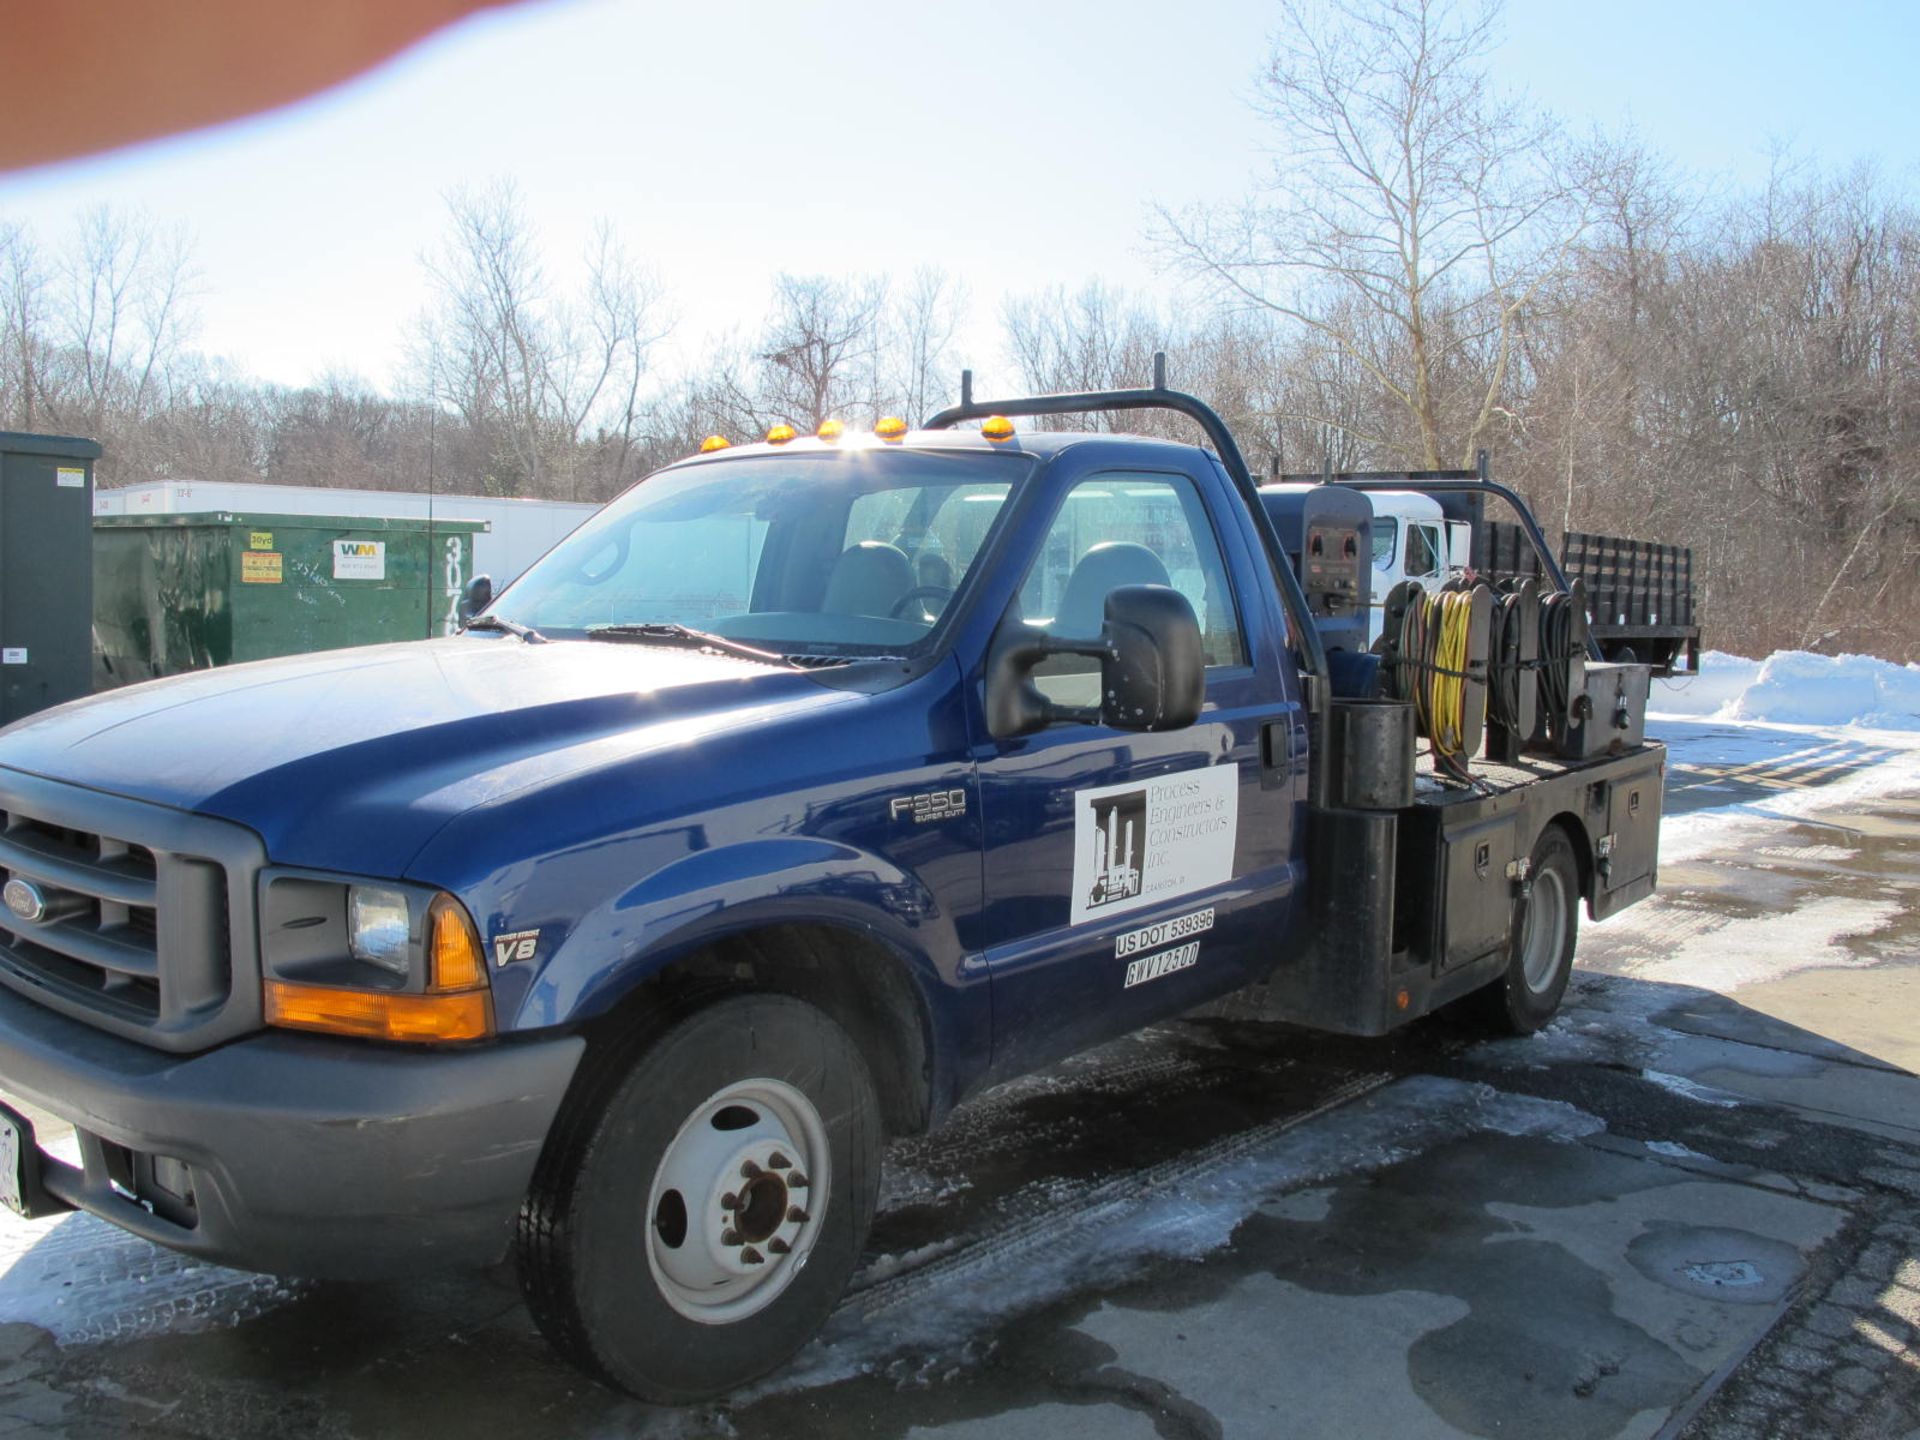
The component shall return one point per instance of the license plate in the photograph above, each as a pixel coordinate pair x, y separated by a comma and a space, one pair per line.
13, 1181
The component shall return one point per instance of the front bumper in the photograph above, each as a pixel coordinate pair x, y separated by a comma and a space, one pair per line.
303, 1155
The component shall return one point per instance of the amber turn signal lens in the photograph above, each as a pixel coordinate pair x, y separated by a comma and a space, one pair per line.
714, 442
779, 434
379, 1014
998, 427
891, 427
453, 957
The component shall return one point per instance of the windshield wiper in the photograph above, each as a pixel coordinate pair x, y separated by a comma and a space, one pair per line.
676, 634
506, 626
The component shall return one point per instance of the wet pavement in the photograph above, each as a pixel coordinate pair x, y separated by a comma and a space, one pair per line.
1691, 1206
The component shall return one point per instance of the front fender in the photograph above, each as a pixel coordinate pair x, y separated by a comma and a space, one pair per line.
710, 894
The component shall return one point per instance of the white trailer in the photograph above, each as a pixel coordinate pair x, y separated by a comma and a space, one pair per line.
523, 530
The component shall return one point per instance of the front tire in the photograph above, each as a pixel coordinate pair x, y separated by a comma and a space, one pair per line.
1545, 929
691, 1230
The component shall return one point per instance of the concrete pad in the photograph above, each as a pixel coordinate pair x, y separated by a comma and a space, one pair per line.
1870, 1011
1495, 1285
1698, 1256
1257, 1359
1868, 1099
1047, 1422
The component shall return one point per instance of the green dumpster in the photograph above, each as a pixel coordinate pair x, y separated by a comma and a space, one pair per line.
184, 592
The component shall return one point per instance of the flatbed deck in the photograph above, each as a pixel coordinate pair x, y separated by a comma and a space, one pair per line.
1500, 778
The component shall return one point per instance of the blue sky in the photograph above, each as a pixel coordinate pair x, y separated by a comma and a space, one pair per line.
1020, 149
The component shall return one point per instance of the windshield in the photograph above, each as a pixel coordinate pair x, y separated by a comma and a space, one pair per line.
847, 553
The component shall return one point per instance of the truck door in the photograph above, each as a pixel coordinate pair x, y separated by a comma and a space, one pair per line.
1425, 560
1130, 876
1459, 548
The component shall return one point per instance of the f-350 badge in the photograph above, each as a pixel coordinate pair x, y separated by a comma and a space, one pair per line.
934, 805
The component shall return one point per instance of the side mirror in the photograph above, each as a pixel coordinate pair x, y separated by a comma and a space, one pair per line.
1152, 669
477, 595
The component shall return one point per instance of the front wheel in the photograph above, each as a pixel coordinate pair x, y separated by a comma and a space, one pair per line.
698, 1227
1546, 925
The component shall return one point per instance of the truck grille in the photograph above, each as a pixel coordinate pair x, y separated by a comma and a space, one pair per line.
122, 914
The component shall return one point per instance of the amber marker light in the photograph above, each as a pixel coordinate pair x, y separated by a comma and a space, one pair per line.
998, 427
458, 1004
714, 442
830, 430
892, 428
779, 434
454, 963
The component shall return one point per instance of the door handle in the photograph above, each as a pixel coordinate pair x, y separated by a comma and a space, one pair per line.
1276, 753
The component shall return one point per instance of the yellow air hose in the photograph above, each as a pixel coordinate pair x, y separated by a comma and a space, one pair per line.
1434, 631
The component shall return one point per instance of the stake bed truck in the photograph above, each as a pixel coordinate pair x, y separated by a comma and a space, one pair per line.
803, 792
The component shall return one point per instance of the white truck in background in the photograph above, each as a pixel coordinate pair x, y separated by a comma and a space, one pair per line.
1639, 593
1413, 540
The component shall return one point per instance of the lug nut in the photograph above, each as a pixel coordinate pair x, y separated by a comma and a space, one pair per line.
729, 1237
778, 1246
729, 1202
797, 1215
749, 1170
777, 1161
796, 1181
752, 1256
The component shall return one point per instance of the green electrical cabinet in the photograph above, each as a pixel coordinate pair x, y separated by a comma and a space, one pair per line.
46, 501
185, 592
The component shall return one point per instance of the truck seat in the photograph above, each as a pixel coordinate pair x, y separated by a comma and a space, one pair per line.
1105, 567
867, 579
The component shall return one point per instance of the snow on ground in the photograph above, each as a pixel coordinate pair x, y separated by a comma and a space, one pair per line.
1723, 953
1793, 687
1753, 743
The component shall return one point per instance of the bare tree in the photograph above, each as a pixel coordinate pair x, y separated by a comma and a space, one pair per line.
917, 343
546, 388
1098, 337
126, 281
817, 359
23, 324
1414, 216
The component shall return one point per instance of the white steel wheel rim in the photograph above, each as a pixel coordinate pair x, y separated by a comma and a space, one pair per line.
1543, 930
737, 1201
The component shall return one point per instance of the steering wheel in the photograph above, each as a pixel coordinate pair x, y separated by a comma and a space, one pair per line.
922, 593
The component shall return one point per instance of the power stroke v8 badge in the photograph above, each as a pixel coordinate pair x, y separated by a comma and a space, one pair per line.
519, 945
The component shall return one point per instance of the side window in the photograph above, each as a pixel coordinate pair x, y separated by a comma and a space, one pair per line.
1120, 529
1423, 550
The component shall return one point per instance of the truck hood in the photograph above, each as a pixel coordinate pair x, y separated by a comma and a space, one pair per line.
352, 759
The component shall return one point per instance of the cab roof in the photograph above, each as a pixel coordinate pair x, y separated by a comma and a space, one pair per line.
1043, 444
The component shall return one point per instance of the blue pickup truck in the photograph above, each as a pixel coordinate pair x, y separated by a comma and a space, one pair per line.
811, 787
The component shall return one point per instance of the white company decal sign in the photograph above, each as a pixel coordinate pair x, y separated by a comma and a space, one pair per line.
1153, 840
359, 559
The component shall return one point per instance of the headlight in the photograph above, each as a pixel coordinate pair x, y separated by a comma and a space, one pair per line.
380, 959
379, 927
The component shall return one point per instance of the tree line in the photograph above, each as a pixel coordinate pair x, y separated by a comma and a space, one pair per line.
1431, 269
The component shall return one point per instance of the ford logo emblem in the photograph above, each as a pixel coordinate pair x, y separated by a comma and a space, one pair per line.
24, 899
